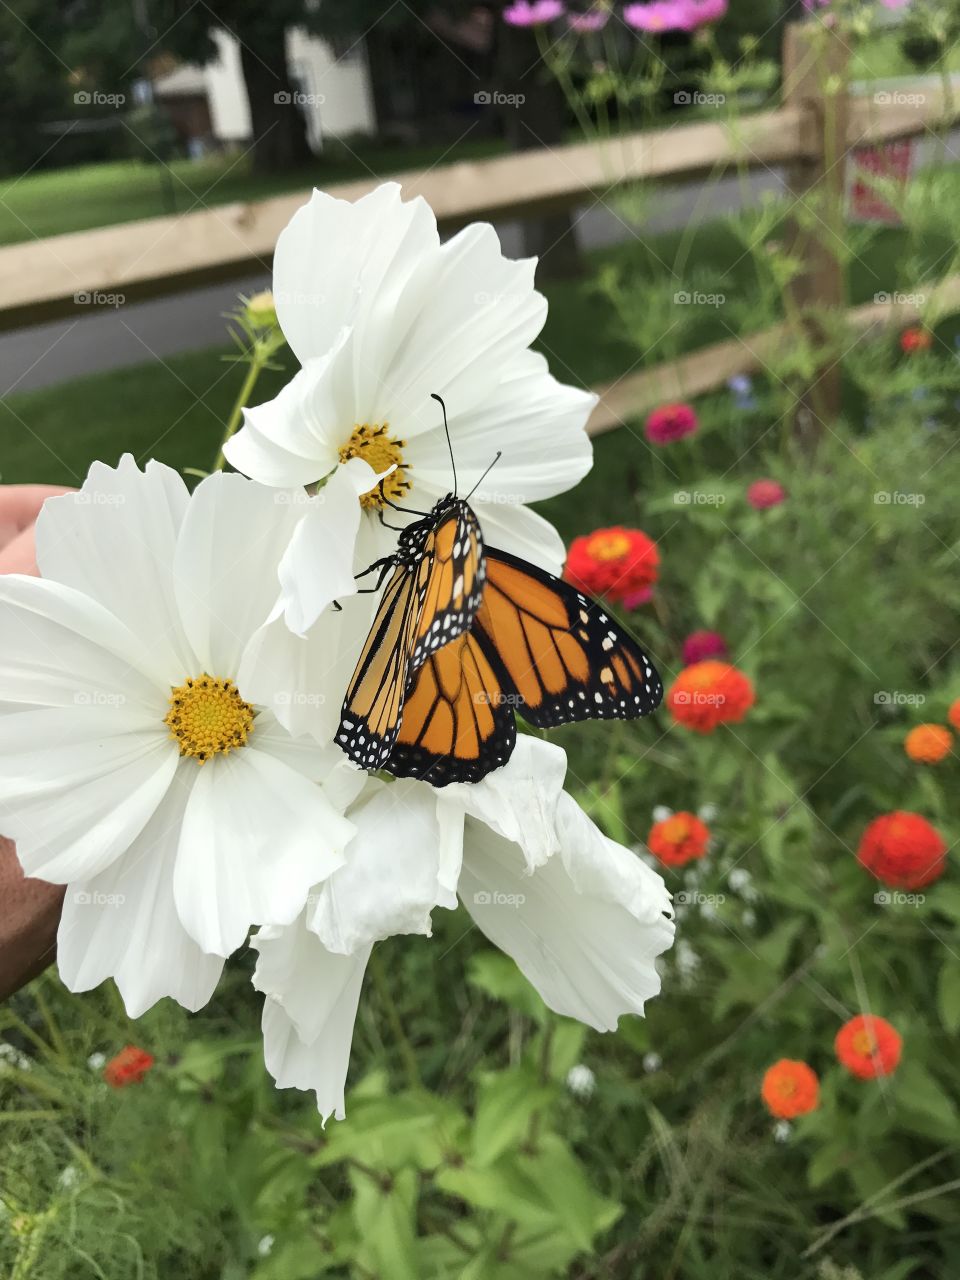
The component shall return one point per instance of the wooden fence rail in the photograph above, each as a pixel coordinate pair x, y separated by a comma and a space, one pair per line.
40, 279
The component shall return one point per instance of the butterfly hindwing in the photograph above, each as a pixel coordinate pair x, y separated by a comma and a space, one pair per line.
431, 598
457, 723
538, 647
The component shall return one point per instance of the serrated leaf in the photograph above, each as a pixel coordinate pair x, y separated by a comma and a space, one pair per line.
505, 1105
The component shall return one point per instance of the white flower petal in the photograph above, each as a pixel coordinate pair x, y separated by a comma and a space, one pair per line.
256, 836
114, 540
303, 679
231, 542
339, 261
389, 883
123, 923
77, 786
536, 423
585, 928
318, 565
519, 801
60, 649
482, 311
523, 533
309, 1012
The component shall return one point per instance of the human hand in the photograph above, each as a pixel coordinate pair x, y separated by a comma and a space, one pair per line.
19, 507
29, 909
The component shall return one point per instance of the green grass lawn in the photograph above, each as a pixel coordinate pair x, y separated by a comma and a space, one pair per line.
97, 195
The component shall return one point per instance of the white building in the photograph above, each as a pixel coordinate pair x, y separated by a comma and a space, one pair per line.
334, 92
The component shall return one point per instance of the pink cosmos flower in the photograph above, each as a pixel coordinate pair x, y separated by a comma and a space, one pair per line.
674, 15
661, 15
671, 422
704, 11
592, 20
532, 13
765, 493
700, 646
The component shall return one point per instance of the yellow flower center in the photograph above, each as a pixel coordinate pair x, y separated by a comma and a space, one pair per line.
676, 829
374, 446
863, 1043
208, 717
608, 546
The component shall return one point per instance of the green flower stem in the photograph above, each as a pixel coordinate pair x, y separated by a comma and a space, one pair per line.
259, 356
404, 1046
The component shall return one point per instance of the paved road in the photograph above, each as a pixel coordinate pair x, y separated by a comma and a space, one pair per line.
48, 354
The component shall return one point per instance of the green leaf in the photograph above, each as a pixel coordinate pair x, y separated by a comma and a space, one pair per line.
386, 1221
498, 976
415, 1128
948, 996
505, 1105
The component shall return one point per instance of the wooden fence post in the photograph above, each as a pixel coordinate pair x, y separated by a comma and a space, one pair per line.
814, 79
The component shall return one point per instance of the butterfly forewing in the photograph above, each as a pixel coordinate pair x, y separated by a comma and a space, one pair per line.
453, 581
562, 658
430, 599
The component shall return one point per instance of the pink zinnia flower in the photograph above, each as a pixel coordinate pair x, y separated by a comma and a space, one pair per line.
671, 422
592, 20
634, 599
523, 13
765, 493
701, 645
661, 15
703, 11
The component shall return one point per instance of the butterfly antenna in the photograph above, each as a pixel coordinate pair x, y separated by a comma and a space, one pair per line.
434, 396
484, 476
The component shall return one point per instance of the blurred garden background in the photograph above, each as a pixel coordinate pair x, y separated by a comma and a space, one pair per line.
747, 218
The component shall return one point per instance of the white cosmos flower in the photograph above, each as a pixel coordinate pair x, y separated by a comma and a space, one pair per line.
582, 916
116, 694
380, 315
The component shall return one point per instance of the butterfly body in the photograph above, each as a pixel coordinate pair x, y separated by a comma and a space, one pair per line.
465, 637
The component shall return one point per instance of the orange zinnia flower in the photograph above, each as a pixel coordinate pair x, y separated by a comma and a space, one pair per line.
868, 1046
928, 743
678, 839
709, 693
790, 1089
129, 1066
903, 850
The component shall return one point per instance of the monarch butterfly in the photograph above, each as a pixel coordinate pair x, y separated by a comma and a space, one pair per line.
464, 636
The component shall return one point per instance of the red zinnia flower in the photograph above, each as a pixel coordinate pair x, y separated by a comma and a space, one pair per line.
868, 1046
953, 715
928, 743
128, 1067
765, 493
616, 563
678, 839
710, 693
790, 1089
700, 645
671, 422
916, 339
903, 850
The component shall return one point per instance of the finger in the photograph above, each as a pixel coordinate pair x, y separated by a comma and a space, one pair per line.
19, 555
20, 505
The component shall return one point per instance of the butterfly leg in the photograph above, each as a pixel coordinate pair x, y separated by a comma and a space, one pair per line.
384, 566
